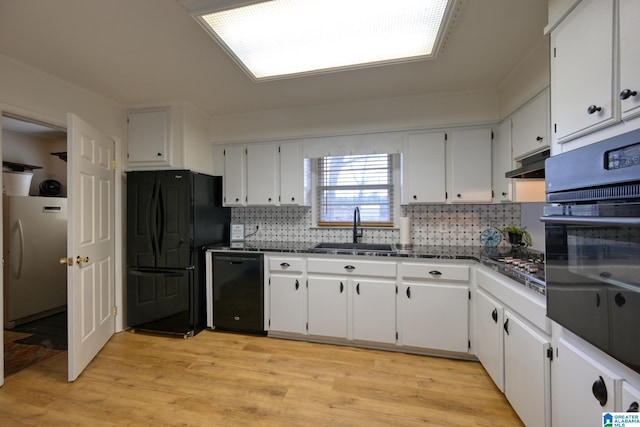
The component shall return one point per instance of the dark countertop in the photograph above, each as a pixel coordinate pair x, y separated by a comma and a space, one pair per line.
437, 252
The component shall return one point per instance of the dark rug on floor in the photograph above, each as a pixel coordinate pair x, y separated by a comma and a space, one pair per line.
50, 332
19, 356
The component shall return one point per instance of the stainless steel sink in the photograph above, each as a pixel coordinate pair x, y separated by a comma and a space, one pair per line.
354, 247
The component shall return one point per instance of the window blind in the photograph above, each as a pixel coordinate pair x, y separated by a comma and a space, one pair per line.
347, 182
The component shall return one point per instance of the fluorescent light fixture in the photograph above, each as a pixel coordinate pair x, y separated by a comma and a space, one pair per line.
290, 37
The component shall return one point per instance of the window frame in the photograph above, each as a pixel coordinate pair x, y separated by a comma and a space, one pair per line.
395, 199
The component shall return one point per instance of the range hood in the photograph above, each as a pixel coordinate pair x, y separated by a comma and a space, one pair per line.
531, 167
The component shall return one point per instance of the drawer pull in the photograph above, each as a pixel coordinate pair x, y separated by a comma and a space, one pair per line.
435, 273
633, 407
285, 265
599, 390
349, 267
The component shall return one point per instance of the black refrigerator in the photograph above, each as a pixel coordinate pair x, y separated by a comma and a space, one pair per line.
171, 215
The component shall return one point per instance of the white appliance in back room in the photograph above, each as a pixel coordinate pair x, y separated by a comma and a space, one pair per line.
35, 238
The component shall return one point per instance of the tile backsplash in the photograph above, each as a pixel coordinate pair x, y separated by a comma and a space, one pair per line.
448, 225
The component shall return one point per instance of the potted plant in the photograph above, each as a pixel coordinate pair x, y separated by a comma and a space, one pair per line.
518, 236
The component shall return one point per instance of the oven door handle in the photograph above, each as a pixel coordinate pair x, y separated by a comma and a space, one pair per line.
592, 220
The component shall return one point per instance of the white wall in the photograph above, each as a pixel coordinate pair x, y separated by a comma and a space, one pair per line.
527, 79
416, 112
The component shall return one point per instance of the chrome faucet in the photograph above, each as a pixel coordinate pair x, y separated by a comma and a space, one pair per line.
356, 223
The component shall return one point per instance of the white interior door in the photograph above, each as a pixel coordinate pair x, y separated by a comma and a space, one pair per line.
1, 276
91, 245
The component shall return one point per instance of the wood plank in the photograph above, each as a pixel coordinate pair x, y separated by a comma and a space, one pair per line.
226, 379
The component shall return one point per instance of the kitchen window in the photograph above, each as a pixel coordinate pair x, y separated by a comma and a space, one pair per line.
364, 181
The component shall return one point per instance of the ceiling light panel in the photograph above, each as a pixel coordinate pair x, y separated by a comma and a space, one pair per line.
285, 37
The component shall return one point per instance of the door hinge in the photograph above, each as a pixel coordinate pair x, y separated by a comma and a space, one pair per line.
269, 322
396, 294
469, 344
550, 353
492, 138
114, 165
307, 326
269, 281
554, 52
396, 335
224, 152
115, 310
469, 295
445, 137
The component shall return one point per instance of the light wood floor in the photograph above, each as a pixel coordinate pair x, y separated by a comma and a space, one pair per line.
223, 379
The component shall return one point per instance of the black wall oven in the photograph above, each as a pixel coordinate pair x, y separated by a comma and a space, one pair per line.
592, 231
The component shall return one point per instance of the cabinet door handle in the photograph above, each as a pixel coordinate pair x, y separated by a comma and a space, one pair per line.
597, 300
159, 154
539, 138
435, 273
409, 292
626, 94
459, 195
593, 109
599, 390
504, 193
297, 284
506, 326
358, 289
285, 265
415, 197
349, 267
269, 199
341, 287
293, 199
633, 407
494, 315
620, 299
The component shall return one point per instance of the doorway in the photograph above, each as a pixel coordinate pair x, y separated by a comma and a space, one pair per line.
34, 239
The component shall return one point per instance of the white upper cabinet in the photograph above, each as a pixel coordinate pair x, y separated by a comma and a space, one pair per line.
149, 137
293, 175
582, 71
629, 58
470, 165
263, 175
502, 162
234, 175
530, 127
423, 166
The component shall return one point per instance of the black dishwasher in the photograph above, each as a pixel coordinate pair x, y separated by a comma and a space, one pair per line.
238, 292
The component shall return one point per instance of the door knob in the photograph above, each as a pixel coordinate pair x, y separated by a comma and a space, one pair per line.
66, 261
80, 260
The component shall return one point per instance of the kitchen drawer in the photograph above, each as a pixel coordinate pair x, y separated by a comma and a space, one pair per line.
360, 267
286, 264
428, 271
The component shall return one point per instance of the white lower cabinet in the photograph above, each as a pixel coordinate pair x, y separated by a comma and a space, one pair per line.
287, 304
527, 368
513, 343
583, 388
630, 398
374, 310
433, 302
327, 306
489, 318
435, 316
287, 295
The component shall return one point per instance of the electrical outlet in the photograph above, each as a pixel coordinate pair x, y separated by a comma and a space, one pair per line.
444, 227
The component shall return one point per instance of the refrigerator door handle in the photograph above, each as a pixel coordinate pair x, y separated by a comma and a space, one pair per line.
21, 256
153, 214
160, 223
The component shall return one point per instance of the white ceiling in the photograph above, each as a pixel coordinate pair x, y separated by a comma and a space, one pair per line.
151, 51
